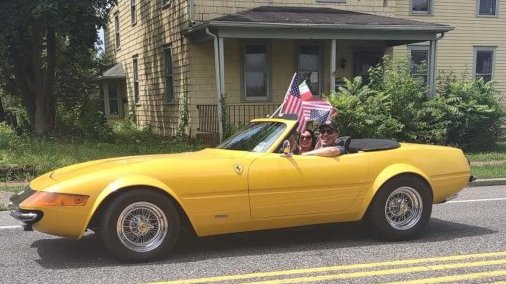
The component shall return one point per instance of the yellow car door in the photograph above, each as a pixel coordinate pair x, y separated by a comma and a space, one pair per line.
299, 185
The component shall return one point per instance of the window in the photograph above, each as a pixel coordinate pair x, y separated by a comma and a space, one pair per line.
421, 7
419, 61
133, 12
165, 3
484, 63
309, 66
169, 83
116, 30
113, 102
136, 79
256, 66
487, 7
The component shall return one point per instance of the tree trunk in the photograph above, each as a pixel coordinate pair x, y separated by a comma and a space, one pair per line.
44, 114
2, 112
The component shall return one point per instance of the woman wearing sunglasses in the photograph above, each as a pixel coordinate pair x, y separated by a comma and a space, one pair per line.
307, 141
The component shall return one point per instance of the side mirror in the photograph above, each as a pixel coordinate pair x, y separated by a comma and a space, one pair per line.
287, 150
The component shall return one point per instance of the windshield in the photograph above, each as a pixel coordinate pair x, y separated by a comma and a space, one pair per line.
256, 137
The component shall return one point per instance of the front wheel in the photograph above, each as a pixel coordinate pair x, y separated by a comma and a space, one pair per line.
140, 225
401, 208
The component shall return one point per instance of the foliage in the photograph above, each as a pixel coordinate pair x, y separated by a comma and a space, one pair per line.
42, 43
37, 155
395, 105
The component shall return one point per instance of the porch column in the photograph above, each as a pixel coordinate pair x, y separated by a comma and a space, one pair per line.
432, 68
222, 85
333, 66
218, 67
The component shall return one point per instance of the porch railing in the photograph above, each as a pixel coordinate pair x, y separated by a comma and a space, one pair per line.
238, 115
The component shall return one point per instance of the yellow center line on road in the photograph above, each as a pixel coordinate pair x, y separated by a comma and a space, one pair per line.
414, 269
335, 268
453, 278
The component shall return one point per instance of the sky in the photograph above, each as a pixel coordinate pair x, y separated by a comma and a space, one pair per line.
100, 33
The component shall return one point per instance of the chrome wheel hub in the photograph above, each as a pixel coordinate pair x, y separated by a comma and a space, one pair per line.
142, 226
403, 208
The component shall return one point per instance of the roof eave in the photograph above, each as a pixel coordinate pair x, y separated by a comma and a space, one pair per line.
439, 28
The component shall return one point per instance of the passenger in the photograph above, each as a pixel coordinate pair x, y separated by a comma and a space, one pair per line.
327, 145
307, 141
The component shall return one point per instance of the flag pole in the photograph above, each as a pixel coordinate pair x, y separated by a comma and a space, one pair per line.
278, 110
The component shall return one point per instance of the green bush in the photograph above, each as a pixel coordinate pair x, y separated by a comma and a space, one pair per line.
464, 112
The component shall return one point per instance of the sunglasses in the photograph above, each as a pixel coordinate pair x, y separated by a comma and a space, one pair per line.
303, 137
327, 131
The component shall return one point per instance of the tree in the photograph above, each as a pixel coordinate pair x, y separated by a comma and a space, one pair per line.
35, 39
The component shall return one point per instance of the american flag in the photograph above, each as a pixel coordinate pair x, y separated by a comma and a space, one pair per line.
293, 101
316, 104
319, 116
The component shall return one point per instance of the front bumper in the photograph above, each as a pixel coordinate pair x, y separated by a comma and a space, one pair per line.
28, 217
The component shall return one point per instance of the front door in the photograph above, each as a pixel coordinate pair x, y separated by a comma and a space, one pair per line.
364, 60
300, 185
309, 58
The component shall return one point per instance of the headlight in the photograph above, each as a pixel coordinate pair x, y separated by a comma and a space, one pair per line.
43, 198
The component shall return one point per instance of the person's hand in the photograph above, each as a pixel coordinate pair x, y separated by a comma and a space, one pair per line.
333, 113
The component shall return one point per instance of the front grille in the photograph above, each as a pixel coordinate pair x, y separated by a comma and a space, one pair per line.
19, 197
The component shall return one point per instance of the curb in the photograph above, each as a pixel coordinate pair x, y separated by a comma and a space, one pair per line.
487, 182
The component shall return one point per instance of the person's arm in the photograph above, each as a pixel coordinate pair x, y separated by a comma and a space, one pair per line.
332, 151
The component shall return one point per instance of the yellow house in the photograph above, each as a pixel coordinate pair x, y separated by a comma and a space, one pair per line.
175, 61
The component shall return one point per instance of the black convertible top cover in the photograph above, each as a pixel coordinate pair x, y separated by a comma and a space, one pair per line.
369, 145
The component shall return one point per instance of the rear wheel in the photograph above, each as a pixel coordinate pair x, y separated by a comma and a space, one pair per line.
401, 208
140, 225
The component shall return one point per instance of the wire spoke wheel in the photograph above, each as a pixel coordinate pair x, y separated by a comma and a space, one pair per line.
403, 208
142, 226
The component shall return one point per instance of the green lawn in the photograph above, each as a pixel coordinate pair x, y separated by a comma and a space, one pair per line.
490, 164
23, 157
35, 156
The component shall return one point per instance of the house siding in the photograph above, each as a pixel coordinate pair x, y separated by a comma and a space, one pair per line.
156, 28
456, 49
209, 9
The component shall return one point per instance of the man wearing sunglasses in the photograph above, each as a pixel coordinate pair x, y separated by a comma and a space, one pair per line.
327, 145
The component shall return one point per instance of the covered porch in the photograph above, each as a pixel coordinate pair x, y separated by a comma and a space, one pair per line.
257, 51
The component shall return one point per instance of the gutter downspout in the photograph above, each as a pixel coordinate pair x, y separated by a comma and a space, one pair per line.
218, 83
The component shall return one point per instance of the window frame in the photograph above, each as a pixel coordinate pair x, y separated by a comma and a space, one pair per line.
133, 12
420, 47
165, 3
135, 79
477, 49
107, 99
430, 10
478, 2
268, 95
117, 39
166, 76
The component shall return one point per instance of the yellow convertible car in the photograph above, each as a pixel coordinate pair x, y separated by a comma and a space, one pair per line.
138, 205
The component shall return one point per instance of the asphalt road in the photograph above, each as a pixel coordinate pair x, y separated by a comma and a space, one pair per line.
465, 242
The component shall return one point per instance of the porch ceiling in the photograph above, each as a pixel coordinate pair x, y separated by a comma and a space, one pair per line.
315, 23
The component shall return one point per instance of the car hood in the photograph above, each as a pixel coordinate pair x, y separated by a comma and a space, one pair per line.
112, 164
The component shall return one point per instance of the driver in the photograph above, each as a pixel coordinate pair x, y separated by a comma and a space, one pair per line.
327, 145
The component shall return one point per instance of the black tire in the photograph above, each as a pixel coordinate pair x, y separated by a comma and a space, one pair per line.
394, 222
153, 225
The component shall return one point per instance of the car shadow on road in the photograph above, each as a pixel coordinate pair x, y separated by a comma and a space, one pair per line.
89, 251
